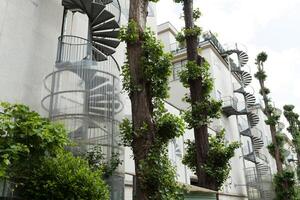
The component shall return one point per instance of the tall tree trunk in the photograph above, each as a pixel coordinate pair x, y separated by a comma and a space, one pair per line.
200, 133
272, 129
140, 104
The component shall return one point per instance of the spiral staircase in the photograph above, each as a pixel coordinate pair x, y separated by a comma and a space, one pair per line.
84, 88
258, 178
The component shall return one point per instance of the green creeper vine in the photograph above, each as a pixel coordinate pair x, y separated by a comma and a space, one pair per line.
204, 111
284, 180
280, 143
158, 174
285, 177
294, 129
217, 166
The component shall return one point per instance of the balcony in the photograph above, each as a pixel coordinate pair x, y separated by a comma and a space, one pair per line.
230, 106
177, 48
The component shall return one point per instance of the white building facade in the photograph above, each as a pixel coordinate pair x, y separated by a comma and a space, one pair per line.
64, 62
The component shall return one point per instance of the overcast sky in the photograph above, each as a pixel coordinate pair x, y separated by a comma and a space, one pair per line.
261, 25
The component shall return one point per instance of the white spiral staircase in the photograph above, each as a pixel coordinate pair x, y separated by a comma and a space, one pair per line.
259, 178
84, 88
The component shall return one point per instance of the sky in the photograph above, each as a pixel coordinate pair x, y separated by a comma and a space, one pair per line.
272, 26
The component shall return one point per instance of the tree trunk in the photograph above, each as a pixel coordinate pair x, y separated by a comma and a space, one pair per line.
277, 151
272, 129
140, 104
200, 133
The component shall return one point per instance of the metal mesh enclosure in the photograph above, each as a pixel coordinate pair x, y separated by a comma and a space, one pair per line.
85, 96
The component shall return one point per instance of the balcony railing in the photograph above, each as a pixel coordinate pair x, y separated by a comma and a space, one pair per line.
230, 102
207, 36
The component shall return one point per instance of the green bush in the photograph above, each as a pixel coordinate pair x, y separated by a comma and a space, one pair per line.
65, 177
33, 158
284, 183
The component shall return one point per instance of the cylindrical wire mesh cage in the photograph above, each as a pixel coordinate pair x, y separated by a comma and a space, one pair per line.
85, 96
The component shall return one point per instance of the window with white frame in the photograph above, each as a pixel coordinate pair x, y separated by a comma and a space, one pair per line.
177, 67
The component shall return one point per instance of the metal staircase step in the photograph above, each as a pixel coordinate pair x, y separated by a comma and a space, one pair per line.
105, 50
246, 132
98, 55
250, 157
108, 42
87, 4
102, 17
110, 34
106, 25
97, 9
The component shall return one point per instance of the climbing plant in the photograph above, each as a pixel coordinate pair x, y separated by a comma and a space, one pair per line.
145, 78
294, 129
283, 180
270, 111
217, 165
284, 183
280, 143
203, 109
96, 160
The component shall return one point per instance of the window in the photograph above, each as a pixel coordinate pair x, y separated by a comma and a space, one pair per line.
177, 67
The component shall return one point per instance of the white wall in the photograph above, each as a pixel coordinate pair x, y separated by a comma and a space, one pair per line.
28, 43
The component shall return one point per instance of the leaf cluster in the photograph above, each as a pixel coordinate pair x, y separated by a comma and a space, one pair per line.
261, 57
34, 159
25, 138
97, 161
189, 32
280, 143
264, 91
158, 176
202, 112
285, 183
219, 154
260, 75
156, 65
65, 177
217, 164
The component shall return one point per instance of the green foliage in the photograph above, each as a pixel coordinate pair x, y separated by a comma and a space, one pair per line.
169, 126
260, 75
217, 164
188, 32
284, 183
190, 157
156, 172
130, 33
25, 139
264, 91
261, 57
35, 160
280, 143
178, 1
126, 132
158, 176
294, 129
219, 154
192, 72
202, 113
156, 65
64, 177
273, 117
96, 160
197, 14
181, 39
